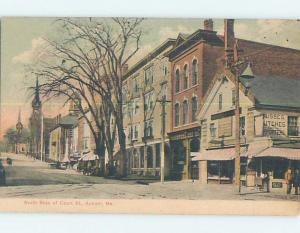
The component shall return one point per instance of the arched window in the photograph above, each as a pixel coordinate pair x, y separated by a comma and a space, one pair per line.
194, 72
176, 114
177, 80
185, 115
185, 76
194, 108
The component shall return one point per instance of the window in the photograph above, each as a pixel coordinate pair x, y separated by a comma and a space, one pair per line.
177, 80
148, 129
212, 130
293, 126
185, 112
242, 126
185, 76
148, 101
149, 76
220, 101
136, 132
164, 90
136, 106
130, 109
165, 70
194, 72
194, 109
176, 114
135, 85
233, 97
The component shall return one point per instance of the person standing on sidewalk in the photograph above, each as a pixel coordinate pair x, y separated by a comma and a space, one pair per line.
289, 180
296, 181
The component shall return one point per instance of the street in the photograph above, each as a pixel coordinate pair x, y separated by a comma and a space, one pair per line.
29, 178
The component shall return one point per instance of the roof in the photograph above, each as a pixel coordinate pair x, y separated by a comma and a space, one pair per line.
275, 91
169, 42
69, 120
207, 36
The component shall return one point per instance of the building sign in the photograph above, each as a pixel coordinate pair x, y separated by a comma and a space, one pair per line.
276, 184
275, 124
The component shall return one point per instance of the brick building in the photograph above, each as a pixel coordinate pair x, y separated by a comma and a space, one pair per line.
195, 60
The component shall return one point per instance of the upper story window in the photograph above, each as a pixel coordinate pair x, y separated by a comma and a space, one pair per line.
194, 72
135, 85
165, 71
149, 76
176, 114
148, 101
233, 97
212, 130
194, 109
185, 76
293, 129
185, 110
220, 101
242, 126
148, 129
177, 80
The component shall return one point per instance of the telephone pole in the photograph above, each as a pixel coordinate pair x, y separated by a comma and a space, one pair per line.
163, 138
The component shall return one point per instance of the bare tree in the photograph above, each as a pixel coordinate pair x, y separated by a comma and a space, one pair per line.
88, 68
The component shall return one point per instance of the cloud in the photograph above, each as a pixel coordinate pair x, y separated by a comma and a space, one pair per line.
30, 56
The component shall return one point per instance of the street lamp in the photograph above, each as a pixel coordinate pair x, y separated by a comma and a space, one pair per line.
246, 78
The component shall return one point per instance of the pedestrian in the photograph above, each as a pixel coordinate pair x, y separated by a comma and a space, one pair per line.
296, 181
289, 180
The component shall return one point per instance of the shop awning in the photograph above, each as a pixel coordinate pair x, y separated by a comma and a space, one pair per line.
89, 157
217, 154
288, 153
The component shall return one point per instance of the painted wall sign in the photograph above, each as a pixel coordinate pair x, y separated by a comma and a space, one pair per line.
275, 124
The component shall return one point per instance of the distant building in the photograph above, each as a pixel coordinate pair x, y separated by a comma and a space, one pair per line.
35, 123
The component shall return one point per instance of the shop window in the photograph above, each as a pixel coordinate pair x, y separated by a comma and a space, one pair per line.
185, 109
242, 126
142, 156
149, 157
185, 76
194, 109
157, 150
220, 101
177, 80
176, 114
195, 72
293, 126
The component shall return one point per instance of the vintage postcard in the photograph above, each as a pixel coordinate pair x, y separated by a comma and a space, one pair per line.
150, 115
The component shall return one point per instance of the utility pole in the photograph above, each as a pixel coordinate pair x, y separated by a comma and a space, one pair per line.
163, 143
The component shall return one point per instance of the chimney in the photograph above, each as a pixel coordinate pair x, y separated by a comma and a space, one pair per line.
229, 41
208, 25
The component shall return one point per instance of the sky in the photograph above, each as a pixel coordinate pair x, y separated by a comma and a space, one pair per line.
22, 40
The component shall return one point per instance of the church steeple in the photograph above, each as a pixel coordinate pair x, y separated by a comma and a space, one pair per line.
19, 125
36, 102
